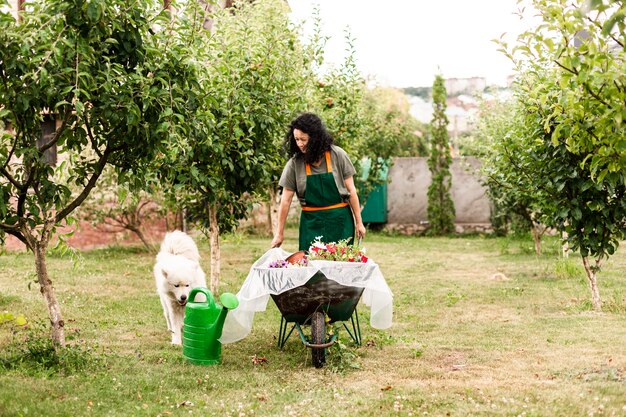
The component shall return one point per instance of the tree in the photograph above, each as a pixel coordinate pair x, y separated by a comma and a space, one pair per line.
502, 147
368, 123
441, 212
572, 88
117, 91
255, 71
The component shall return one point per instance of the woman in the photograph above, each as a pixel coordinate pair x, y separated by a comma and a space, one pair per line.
322, 176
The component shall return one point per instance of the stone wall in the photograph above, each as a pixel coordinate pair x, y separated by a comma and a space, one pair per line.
407, 198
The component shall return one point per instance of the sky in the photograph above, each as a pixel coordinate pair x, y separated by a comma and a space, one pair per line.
405, 43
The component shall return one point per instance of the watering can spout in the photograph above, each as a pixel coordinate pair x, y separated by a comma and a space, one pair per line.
203, 326
229, 302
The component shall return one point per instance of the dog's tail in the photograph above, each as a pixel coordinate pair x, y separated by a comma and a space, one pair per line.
179, 243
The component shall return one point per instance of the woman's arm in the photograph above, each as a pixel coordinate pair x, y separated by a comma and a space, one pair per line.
356, 206
283, 211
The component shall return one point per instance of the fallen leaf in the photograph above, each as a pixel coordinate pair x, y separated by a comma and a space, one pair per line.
387, 388
256, 360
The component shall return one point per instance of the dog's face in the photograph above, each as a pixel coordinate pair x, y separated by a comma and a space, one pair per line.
179, 281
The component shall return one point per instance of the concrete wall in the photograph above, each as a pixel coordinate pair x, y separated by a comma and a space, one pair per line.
407, 198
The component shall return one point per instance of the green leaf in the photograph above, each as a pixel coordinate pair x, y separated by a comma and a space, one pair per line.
20, 320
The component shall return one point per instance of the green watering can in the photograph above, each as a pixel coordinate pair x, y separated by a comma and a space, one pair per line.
203, 326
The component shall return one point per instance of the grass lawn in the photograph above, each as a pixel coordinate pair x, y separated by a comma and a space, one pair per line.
464, 341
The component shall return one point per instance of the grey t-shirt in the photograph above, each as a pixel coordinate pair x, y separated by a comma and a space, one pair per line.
294, 174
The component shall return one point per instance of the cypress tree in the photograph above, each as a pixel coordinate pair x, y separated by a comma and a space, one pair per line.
441, 212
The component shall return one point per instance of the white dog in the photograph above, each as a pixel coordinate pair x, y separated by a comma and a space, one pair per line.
177, 271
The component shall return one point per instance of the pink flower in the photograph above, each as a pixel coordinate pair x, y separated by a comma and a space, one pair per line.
332, 248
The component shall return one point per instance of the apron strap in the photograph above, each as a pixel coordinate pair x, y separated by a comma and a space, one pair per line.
329, 167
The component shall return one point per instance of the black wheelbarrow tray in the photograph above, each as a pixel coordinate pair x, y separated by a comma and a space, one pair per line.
318, 302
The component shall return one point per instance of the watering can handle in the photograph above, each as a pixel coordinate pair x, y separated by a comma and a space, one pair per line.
203, 290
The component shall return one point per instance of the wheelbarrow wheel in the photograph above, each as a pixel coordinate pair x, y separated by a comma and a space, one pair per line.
318, 337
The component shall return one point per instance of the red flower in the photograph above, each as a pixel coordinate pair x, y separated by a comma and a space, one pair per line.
363, 258
331, 247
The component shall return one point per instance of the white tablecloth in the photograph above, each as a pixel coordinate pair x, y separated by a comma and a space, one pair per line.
263, 281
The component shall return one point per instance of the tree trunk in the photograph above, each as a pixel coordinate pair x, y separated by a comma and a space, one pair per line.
137, 231
47, 290
537, 239
272, 211
591, 271
214, 240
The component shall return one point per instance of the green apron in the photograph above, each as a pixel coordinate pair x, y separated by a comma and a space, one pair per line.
325, 214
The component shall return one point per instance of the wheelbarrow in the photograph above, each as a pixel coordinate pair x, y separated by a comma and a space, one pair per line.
318, 302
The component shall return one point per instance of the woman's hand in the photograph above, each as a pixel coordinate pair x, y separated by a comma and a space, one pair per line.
278, 240
360, 230
283, 210
356, 207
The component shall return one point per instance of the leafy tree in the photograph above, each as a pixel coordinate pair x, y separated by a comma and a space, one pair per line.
368, 123
391, 121
117, 90
502, 136
441, 212
388, 130
337, 99
572, 90
255, 71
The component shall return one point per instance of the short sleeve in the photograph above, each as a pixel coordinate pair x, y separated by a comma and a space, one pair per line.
345, 165
288, 177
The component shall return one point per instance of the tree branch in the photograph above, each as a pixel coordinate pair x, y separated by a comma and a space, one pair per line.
9, 177
585, 85
598, 25
24, 189
91, 138
85, 193
57, 133
573, 71
14, 231
12, 151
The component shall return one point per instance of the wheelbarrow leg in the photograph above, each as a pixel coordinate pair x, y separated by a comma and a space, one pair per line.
283, 336
281, 331
355, 334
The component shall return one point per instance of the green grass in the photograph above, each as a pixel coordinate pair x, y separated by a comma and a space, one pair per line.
464, 341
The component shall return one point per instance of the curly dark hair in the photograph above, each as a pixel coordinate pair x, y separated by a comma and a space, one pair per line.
319, 138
